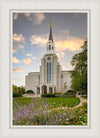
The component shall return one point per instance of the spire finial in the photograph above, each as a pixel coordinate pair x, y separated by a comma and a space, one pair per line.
50, 24
50, 34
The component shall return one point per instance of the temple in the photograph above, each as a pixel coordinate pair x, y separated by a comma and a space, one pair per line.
51, 78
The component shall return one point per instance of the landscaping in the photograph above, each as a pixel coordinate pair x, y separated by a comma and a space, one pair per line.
48, 111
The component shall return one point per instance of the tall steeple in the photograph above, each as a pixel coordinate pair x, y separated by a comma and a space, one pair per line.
50, 44
50, 34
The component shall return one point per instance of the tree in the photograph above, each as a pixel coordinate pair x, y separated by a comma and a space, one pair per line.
22, 89
18, 91
65, 86
79, 75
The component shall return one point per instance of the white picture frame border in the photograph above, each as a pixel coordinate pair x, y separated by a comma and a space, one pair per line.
11, 11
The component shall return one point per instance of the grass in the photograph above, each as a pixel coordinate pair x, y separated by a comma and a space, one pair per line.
53, 102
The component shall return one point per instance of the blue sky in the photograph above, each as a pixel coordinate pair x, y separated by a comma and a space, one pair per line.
30, 36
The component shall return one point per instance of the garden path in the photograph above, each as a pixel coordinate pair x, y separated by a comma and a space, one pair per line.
82, 101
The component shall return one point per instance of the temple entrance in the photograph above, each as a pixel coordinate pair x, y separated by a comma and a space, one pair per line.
44, 89
50, 90
38, 90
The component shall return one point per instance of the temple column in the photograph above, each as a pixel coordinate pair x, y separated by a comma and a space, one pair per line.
47, 89
53, 89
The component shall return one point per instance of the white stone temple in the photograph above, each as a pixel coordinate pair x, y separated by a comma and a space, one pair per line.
51, 78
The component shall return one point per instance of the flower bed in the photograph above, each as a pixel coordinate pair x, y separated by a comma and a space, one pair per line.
40, 113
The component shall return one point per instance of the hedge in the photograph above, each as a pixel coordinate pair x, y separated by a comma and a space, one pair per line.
29, 91
48, 95
17, 94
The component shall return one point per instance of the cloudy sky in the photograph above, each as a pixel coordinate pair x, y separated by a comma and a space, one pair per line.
30, 36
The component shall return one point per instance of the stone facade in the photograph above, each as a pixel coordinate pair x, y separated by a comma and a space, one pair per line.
51, 78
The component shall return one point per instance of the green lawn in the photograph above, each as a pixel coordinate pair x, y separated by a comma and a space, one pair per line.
53, 102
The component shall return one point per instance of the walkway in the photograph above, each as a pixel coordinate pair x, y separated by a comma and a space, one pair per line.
82, 101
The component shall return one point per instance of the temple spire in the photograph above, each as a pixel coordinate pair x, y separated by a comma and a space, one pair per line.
50, 34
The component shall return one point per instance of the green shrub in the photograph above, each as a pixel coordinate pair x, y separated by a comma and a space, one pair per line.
16, 94
48, 95
29, 91
70, 93
58, 94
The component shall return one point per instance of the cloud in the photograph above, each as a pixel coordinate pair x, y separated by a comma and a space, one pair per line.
35, 18
27, 61
61, 45
14, 51
35, 59
38, 40
15, 60
60, 54
14, 80
15, 16
27, 14
17, 47
20, 46
18, 38
70, 43
39, 17
64, 32
18, 69
22, 77
29, 54
70, 65
64, 67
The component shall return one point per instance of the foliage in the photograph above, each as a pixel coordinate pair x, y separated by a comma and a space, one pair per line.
29, 91
65, 86
48, 95
18, 91
79, 75
85, 96
70, 93
80, 116
45, 115
22, 90
58, 92
16, 94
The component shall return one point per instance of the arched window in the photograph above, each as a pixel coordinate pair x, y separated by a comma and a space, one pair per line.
48, 72
49, 47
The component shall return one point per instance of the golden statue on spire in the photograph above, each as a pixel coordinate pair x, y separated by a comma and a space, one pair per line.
50, 24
